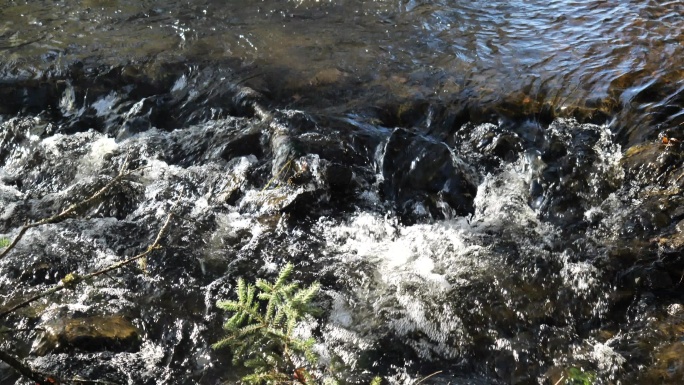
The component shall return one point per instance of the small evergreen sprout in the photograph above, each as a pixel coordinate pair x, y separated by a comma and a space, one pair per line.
4, 242
577, 376
260, 331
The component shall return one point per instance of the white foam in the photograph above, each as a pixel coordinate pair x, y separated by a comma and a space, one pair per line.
94, 160
181, 83
103, 105
606, 358
581, 276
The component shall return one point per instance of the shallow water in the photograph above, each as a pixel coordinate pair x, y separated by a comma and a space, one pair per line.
591, 59
482, 188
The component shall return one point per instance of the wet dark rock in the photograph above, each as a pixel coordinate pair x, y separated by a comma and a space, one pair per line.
142, 116
422, 177
42, 273
17, 132
669, 367
305, 202
648, 219
577, 174
487, 145
240, 170
674, 241
658, 343
338, 176
30, 95
657, 278
201, 143
300, 201
244, 144
654, 163
88, 334
655, 172
348, 143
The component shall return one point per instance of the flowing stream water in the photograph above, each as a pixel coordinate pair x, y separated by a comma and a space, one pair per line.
486, 190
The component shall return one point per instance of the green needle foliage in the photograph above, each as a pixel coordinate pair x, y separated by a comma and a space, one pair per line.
4, 242
577, 376
260, 331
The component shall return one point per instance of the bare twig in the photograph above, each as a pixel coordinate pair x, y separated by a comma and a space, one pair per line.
44, 379
69, 210
84, 381
22, 330
36, 297
23, 369
426, 377
154, 246
70, 280
277, 175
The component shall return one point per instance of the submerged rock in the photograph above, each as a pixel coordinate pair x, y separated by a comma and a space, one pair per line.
653, 164
90, 334
425, 178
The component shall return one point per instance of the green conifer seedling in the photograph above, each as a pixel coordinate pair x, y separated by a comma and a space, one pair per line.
260, 330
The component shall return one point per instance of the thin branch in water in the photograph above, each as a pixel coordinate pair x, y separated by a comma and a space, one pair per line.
44, 379
71, 280
289, 162
69, 210
560, 379
22, 330
84, 381
249, 78
427, 377
24, 370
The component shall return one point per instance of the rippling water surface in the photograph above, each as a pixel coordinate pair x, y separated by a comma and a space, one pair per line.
490, 190
592, 58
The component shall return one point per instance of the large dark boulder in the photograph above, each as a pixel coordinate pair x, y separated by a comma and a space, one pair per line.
425, 179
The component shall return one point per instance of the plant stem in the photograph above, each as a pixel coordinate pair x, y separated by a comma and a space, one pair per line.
76, 279
69, 210
23, 369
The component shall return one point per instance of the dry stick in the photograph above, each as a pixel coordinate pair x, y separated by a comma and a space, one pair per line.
427, 377
83, 381
27, 372
289, 162
70, 282
71, 279
23, 369
561, 379
17, 365
22, 330
69, 210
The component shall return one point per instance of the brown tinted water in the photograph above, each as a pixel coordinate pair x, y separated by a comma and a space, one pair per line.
590, 59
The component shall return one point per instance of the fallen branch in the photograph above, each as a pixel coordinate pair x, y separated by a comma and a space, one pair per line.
24, 370
21, 330
69, 281
84, 381
72, 279
71, 209
427, 377
44, 379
